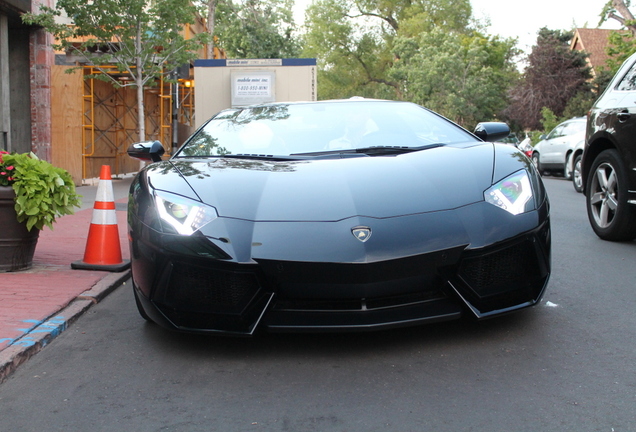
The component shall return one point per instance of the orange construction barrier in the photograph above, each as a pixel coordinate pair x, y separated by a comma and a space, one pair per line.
103, 250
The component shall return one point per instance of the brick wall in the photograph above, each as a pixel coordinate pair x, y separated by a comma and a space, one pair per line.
42, 58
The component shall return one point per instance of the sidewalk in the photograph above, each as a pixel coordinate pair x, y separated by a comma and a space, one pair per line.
38, 304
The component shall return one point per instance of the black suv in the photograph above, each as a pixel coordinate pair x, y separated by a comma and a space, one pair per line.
609, 159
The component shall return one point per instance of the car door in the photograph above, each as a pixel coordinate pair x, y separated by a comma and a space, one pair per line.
618, 115
566, 143
553, 142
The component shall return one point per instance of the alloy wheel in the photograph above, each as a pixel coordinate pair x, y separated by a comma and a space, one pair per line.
604, 195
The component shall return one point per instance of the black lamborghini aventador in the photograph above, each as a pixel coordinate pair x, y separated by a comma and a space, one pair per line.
335, 216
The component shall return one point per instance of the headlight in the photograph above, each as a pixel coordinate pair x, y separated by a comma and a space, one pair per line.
513, 194
184, 215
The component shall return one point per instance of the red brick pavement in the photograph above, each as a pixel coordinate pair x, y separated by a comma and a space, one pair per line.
29, 298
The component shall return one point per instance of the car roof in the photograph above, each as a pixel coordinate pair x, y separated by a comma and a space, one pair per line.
575, 119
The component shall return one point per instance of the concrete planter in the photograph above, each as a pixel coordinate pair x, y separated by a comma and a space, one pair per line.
17, 244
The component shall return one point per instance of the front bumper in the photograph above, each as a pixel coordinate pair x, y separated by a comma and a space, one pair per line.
217, 295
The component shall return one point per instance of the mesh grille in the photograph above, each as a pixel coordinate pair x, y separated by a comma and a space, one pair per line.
201, 289
494, 272
425, 295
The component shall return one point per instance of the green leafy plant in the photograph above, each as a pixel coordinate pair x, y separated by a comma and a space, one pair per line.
43, 191
549, 120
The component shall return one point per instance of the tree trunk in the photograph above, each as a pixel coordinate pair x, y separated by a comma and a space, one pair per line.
211, 19
139, 81
141, 116
626, 15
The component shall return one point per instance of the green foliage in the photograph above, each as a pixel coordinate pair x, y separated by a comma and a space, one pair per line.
605, 12
423, 16
613, 8
548, 122
548, 119
43, 192
352, 56
555, 74
579, 104
535, 137
422, 51
621, 45
464, 77
141, 37
257, 29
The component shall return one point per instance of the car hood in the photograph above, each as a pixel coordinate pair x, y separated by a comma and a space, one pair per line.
431, 180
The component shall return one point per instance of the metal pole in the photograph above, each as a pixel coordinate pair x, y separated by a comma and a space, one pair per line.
5, 85
175, 112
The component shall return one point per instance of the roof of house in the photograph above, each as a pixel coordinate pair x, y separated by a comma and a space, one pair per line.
593, 42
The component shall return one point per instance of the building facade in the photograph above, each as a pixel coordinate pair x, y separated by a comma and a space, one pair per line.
26, 58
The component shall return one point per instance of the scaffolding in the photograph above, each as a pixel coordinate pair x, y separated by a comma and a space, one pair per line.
185, 106
110, 120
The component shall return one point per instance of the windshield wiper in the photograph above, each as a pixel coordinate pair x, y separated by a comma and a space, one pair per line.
291, 157
328, 154
388, 150
371, 151
250, 156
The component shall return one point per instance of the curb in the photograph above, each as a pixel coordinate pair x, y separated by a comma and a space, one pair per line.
37, 338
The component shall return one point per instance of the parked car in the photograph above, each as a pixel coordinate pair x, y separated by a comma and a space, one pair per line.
524, 145
510, 139
609, 158
335, 216
554, 152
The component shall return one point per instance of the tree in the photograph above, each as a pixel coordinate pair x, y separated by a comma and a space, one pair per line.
257, 29
555, 74
619, 10
211, 14
621, 43
413, 17
354, 39
352, 56
250, 28
142, 38
423, 51
465, 77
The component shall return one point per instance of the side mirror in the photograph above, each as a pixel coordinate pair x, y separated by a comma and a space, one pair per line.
492, 131
146, 151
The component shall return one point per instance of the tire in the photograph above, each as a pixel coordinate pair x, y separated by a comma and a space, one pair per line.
567, 174
611, 217
577, 177
535, 161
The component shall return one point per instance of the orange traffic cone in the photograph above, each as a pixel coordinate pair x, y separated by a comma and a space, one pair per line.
103, 251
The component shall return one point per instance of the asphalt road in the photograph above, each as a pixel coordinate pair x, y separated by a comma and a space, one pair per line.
566, 365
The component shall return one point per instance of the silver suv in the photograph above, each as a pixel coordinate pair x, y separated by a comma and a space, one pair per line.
554, 153
609, 158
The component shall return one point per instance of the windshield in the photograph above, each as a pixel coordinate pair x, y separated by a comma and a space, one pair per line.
310, 128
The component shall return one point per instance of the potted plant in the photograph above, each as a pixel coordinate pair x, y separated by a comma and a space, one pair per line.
33, 193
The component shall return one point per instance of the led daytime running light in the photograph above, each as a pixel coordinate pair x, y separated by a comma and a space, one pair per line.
511, 194
184, 215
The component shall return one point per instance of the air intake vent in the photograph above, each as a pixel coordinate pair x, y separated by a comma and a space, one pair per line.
495, 272
213, 291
